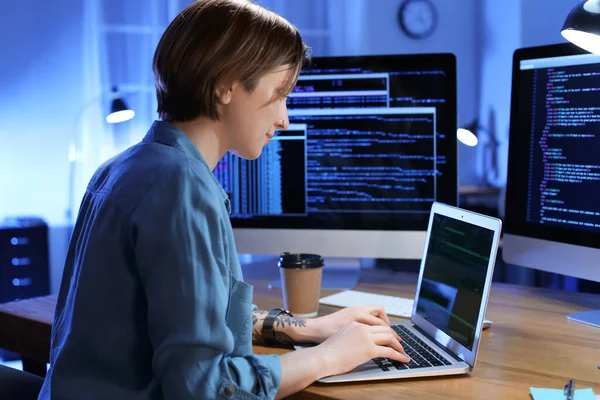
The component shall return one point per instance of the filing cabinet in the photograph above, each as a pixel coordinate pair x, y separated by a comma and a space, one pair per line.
24, 259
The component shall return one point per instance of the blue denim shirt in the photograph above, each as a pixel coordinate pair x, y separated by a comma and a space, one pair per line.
152, 303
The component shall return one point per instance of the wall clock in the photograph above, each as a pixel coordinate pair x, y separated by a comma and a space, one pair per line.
418, 18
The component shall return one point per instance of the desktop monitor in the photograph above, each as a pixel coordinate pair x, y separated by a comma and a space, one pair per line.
552, 217
371, 145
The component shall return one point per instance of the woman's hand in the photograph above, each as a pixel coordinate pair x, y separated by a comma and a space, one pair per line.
326, 326
357, 343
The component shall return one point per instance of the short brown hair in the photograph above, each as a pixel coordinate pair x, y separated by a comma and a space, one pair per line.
220, 41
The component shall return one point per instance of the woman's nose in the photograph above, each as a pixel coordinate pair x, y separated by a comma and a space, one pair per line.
282, 124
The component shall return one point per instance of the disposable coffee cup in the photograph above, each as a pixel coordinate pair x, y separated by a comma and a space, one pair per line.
301, 283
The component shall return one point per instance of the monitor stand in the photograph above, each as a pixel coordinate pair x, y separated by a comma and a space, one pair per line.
338, 274
586, 317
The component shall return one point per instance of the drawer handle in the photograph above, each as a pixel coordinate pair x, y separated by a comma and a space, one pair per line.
18, 262
19, 241
21, 282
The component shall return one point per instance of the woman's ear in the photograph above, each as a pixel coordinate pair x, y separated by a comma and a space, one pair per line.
224, 93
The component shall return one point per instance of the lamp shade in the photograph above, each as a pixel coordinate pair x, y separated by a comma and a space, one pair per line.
467, 135
582, 26
119, 112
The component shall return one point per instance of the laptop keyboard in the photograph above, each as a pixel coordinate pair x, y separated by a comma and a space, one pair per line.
421, 355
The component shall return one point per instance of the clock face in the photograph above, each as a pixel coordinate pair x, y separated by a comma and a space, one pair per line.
417, 18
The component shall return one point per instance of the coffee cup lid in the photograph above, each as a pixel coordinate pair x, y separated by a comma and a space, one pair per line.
300, 260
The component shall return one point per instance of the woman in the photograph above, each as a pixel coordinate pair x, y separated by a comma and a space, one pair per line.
152, 303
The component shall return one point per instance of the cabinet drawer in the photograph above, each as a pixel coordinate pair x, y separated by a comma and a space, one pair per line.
24, 265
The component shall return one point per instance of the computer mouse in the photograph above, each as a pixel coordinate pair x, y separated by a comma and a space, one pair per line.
486, 323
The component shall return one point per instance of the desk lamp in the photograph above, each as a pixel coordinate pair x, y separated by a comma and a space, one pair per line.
467, 135
119, 112
582, 26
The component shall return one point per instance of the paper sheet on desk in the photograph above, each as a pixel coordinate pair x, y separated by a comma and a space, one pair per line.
559, 394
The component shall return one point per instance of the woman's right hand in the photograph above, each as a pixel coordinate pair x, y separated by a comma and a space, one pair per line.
357, 343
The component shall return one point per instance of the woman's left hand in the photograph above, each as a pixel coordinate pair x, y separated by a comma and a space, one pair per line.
328, 325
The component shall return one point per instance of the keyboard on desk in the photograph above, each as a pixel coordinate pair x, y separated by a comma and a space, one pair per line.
421, 355
396, 306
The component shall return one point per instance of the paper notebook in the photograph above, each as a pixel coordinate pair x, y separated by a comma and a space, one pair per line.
559, 394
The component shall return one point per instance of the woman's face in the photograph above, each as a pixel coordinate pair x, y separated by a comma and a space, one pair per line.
251, 119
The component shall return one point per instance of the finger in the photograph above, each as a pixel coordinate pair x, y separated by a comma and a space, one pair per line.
392, 354
383, 329
379, 312
397, 347
387, 339
371, 320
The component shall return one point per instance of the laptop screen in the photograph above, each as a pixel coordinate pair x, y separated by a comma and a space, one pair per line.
454, 275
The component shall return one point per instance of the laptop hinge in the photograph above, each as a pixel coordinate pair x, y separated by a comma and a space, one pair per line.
450, 352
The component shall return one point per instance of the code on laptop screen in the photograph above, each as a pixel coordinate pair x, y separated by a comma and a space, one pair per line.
454, 277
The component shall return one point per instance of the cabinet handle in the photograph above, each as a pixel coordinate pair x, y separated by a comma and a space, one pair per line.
20, 262
19, 241
21, 282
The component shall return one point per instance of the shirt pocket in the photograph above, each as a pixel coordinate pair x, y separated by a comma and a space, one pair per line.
239, 316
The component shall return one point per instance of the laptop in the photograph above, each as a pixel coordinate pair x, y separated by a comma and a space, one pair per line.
443, 334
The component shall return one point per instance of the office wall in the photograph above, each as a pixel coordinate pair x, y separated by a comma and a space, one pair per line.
501, 32
41, 80
537, 31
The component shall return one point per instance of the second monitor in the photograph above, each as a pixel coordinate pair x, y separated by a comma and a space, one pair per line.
553, 190
371, 145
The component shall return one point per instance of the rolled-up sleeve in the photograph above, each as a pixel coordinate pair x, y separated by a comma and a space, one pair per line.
178, 234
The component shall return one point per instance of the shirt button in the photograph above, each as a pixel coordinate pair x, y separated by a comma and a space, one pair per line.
229, 390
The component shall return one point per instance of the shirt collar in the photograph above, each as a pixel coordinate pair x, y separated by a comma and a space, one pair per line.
169, 134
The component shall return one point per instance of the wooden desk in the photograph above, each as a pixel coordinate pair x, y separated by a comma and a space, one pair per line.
25, 328
531, 342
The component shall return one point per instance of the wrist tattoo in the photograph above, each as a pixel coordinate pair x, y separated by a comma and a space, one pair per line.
286, 320
281, 322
